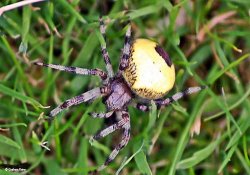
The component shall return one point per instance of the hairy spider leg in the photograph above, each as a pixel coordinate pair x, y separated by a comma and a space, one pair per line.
110, 129
101, 115
164, 102
124, 140
126, 50
85, 97
141, 106
76, 70
104, 50
179, 95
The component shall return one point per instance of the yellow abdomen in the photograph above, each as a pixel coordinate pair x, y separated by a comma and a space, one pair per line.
150, 73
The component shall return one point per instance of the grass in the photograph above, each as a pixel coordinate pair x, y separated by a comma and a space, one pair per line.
208, 41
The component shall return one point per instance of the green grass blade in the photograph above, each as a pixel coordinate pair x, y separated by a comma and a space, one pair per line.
245, 149
13, 57
245, 124
240, 100
14, 94
18, 138
4, 172
185, 134
129, 159
67, 6
25, 29
142, 164
143, 11
12, 125
198, 156
230, 66
243, 161
83, 157
8, 141
152, 117
228, 158
52, 167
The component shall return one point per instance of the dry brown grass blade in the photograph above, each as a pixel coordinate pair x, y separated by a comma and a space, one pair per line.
217, 59
16, 5
213, 22
196, 127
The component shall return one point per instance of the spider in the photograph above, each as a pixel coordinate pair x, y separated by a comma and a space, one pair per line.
145, 72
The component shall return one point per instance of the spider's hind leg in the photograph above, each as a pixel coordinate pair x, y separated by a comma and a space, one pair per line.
141, 106
121, 145
179, 95
124, 124
101, 115
110, 129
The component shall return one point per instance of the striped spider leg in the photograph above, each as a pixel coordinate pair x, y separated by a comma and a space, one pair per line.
125, 51
167, 101
105, 53
178, 96
76, 70
84, 97
123, 123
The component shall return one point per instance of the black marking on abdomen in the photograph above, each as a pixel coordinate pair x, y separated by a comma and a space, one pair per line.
163, 54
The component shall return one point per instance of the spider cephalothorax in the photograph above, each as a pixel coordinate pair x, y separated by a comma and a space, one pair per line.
145, 71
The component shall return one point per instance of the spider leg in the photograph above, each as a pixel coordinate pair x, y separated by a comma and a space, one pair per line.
140, 106
75, 70
126, 50
104, 50
101, 115
123, 142
87, 96
110, 129
118, 125
164, 102
179, 95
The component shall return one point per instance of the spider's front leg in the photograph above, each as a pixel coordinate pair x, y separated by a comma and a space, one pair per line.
76, 70
126, 51
85, 97
179, 95
105, 53
124, 124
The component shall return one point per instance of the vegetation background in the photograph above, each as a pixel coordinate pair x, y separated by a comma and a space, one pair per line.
208, 42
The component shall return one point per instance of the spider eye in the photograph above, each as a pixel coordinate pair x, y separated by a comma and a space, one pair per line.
163, 54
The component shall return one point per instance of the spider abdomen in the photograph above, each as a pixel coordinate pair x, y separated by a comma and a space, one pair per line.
150, 72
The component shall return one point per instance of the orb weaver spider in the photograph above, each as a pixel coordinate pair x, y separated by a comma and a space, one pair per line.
145, 71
